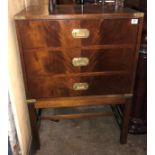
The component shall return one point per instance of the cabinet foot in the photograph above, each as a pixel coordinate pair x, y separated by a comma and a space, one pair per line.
34, 127
125, 121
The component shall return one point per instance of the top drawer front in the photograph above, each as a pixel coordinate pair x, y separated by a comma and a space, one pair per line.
58, 33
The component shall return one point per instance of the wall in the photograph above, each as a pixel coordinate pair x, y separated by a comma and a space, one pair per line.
12, 133
16, 86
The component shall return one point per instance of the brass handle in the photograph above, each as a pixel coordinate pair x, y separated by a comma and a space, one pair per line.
80, 33
80, 86
80, 61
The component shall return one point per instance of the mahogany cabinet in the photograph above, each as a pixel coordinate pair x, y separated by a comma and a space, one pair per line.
78, 56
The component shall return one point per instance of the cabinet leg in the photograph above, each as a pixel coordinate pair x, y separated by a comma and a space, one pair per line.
125, 121
34, 127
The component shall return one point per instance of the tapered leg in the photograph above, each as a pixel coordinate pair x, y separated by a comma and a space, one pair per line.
125, 121
34, 127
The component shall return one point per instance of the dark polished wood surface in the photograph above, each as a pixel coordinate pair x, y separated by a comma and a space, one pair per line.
81, 101
49, 48
50, 62
75, 12
65, 1
58, 33
46, 86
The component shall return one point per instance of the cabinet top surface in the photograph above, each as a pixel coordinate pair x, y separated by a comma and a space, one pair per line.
76, 11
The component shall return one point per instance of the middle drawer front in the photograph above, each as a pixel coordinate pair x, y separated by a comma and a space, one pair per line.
67, 86
50, 62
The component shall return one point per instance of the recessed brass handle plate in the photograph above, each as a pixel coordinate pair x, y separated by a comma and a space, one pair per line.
80, 61
80, 33
80, 86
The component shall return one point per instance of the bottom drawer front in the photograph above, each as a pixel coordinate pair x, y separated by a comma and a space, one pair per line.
78, 86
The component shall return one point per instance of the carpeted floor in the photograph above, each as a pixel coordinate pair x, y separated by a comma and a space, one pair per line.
95, 136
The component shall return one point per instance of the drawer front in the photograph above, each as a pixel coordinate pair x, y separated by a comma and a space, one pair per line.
47, 87
75, 33
50, 62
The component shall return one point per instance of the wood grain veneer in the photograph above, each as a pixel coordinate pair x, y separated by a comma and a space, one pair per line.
46, 86
40, 62
58, 33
